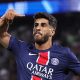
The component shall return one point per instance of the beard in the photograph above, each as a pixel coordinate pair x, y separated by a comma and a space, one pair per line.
42, 40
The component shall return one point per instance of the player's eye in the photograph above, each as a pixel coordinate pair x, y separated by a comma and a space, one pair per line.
43, 24
36, 24
40, 24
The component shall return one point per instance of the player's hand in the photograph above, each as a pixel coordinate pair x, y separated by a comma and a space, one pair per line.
10, 14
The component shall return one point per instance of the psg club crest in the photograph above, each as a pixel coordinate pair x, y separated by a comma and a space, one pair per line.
54, 61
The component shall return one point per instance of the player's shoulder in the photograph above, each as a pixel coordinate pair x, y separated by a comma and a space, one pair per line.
25, 43
60, 48
21, 42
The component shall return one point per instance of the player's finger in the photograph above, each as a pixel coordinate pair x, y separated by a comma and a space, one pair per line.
19, 15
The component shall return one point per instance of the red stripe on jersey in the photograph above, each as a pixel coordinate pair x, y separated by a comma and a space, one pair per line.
43, 58
36, 78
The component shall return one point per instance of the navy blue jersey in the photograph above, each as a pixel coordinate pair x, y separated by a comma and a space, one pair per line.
51, 64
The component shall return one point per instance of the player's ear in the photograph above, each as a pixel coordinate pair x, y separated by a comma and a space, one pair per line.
52, 31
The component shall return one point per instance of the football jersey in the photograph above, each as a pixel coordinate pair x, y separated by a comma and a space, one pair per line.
51, 64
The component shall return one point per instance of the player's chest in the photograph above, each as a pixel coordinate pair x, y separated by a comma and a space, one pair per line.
43, 64
50, 59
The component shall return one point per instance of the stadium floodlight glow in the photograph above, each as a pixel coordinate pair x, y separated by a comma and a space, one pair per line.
78, 8
47, 6
10, 6
21, 7
31, 7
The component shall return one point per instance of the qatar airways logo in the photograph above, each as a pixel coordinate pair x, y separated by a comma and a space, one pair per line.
40, 70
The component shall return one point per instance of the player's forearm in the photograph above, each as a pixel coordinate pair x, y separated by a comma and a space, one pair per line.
3, 21
4, 35
3, 25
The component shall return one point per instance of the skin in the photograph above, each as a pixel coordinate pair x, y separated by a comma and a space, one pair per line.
42, 32
45, 31
4, 35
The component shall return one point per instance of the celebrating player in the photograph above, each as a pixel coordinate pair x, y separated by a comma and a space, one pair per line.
43, 60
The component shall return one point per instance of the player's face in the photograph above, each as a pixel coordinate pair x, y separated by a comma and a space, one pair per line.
41, 30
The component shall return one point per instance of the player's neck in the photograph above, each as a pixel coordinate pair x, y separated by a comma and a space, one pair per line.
44, 46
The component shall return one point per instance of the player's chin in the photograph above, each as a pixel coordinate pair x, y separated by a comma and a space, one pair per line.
37, 38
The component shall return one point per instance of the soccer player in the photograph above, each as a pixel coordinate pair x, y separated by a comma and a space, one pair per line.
43, 60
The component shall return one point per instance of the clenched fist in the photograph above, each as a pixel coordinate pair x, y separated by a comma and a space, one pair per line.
10, 14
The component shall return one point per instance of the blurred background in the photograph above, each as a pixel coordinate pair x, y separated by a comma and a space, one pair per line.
67, 13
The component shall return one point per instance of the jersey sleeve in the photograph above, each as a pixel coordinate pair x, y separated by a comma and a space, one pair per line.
12, 43
74, 63
15, 45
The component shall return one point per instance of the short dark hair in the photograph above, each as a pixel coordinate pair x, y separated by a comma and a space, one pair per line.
52, 20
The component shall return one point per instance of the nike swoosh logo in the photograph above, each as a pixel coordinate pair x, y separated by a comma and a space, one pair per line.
32, 54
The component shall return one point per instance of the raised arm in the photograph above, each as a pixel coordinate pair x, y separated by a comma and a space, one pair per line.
4, 21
